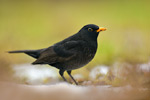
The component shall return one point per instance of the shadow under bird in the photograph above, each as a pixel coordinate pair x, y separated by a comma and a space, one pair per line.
69, 54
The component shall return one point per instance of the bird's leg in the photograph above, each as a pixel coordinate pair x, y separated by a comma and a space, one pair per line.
61, 72
69, 73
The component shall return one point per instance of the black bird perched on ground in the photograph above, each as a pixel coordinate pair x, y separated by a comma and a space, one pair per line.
69, 54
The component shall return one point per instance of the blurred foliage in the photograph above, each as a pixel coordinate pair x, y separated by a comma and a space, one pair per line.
39, 24
5, 70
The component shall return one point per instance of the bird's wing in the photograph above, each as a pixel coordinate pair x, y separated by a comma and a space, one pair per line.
59, 53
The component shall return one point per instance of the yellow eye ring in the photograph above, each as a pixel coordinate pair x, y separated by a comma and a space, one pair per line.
90, 29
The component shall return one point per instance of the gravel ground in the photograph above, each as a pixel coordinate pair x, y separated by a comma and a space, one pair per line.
65, 91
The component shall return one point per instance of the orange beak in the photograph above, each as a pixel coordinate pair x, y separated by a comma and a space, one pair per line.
101, 29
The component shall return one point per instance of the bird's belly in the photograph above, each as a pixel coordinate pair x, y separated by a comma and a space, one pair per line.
81, 59
78, 61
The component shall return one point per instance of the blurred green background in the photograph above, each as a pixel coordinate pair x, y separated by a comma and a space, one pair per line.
39, 24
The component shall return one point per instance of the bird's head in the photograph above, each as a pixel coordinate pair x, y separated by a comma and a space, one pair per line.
91, 30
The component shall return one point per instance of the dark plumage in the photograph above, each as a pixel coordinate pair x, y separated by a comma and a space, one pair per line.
69, 54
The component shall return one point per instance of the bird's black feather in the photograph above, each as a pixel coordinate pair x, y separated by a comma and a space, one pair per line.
32, 53
70, 53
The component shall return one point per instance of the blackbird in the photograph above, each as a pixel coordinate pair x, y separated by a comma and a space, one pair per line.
69, 54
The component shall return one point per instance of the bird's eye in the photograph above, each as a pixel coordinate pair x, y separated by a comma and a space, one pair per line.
90, 29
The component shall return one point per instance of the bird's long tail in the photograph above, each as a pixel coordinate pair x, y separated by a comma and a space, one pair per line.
32, 53
20, 51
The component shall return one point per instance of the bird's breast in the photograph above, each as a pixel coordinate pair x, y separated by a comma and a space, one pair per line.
84, 56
